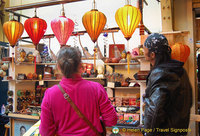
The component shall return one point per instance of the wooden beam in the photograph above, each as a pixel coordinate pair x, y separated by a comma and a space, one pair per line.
110, 30
195, 117
166, 14
40, 4
196, 5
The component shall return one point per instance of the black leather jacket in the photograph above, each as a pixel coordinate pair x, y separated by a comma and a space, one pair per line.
168, 100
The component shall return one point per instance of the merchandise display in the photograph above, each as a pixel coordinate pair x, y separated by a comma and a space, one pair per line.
120, 67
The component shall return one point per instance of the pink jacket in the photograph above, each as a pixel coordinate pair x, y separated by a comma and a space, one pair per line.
58, 117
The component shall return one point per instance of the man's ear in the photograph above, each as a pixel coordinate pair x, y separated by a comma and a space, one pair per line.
153, 55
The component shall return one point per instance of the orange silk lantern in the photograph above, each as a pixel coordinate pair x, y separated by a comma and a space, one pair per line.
13, 31
94, 23
128, 18
180, 52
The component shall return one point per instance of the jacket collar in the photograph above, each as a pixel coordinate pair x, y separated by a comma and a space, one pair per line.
76, 78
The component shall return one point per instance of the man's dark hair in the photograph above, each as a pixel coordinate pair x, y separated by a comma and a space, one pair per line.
69, 59
158, 44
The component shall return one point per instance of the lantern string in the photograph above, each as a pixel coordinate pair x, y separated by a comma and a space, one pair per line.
94, 4
35, 12
113, 38
127, 2
63, 10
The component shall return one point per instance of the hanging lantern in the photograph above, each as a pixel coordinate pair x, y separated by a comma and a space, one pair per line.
128, 18
62, 28
94, 23
13, 31
35, 27
180, 52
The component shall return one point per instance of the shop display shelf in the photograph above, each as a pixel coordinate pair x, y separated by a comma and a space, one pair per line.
138, 81
138, 57
53, 80
124, 88
121, 64
23, 116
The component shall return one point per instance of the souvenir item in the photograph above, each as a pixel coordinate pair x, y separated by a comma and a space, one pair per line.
30, 57
100, 71
35, 76
22, 56
123, 60
21, 76
29, 76
4, 67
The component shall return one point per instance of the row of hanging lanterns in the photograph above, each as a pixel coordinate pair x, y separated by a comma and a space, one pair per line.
127, 18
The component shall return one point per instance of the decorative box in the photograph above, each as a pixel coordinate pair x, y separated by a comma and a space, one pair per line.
142, 75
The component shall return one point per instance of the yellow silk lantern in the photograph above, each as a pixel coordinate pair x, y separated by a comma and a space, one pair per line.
128, 18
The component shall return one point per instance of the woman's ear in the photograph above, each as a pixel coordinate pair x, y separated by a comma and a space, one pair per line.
58, 67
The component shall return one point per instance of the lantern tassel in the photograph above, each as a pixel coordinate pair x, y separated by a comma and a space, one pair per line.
12, 61
128, 61
35, 63
95, 51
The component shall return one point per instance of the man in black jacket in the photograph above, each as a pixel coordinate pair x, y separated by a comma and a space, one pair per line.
168, 96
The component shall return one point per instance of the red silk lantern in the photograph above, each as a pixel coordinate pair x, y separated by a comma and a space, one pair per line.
35, 27
62, 28
94, 23
128, 18
13, 31
180, 52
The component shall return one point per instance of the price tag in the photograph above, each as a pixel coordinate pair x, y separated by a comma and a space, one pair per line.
131, 84
41, 82
111, 84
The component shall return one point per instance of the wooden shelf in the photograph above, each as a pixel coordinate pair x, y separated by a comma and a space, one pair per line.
138, 57
23, 116
53, 80
93, 78
121, 64
124, 88
45, 63
138, 81
40, 4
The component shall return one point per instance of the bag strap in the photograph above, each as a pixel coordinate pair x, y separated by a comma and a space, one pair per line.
66, 96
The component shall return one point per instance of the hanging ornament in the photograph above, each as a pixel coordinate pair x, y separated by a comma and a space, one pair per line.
94, 22
62, 28
180, 52
35, 27
128, 18
13, 31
